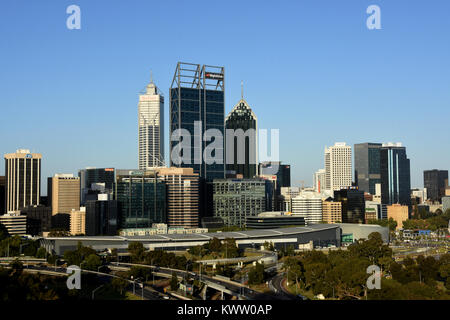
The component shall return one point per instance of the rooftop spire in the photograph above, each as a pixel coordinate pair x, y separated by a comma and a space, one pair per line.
151, 76
242, 89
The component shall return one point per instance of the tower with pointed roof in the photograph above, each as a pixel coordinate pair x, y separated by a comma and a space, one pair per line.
242, 117
151, 127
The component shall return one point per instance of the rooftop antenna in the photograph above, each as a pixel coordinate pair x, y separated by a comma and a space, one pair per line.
242, 89
151, 76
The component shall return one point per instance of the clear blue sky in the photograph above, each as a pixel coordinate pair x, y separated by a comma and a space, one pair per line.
311, 69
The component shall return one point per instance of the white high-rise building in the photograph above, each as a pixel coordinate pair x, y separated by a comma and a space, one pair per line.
151, 128
309, 206
338, 166
319, 180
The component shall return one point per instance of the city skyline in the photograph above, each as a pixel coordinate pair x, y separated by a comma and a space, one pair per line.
384, 89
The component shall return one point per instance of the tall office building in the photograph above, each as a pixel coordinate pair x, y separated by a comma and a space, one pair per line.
331, 211
236, 199
435, 181
39, 219
283, 173
367, 166
23, 179
2, 195
338, 166
245, 160
65, 193
395, 174
319, 180
101, 217
151, 127
90, 176
78, 222
309, 206
352, 204
182, 187
197, 103
141, 199
287, 194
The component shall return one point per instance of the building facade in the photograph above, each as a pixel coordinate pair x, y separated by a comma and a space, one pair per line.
39, 219
101, 217
92, 176
141, 199
352, 204
241, 151
197, 104
65, 193
182, 196
395, 174
78, 222
367, 166
331, 211
338, 166
14, 223
2, 195
309, 206
151, 127
435, 181
236, 199
319, 180
22, 179
399, 213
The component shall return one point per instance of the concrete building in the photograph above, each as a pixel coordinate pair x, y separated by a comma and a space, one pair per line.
23, 179
65, 193
236, 199
2, 195
379, 209
14, 223
309, 206
367, 166
319, 180
287, 194
399, 213
78, 221
445, 204
331, 211
182, 196
151, 127
338, 166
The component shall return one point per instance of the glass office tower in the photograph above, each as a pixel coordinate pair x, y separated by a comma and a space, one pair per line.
242, 117
353, 206
141, 199
367, 166
197, 97
395, 174
435, 181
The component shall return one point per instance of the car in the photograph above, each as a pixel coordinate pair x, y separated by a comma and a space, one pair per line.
166, 297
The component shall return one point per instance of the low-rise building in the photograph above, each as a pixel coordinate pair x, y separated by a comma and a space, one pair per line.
331, 211
399, 213
274, 219
78, 221
14, 223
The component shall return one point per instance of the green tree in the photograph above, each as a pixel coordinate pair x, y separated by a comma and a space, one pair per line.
137, 251
174, 282
93, 261
256, 274
119, 284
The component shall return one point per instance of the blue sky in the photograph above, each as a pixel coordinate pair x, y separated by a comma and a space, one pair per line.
310, 68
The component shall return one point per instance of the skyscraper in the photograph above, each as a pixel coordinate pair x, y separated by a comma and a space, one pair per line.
2, 194
23, 179
319, 180
197, 104
353, 205
435, 181
141, 199
65, 193
309, 206
151, 127
238, 162
182, 196
367, 166
90, 176
395, 174
338, 166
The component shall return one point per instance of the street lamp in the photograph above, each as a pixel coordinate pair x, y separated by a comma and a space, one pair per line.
134, 285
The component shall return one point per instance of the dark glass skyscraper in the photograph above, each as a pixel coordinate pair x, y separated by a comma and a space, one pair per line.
89, 176
242, 117
141, 199
352, 204
197, 103
435, 181
367, 166
395, 175
101, 217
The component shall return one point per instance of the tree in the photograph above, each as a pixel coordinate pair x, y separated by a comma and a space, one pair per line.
119, 284
41, 252
174, 282
269, 246
137, 251
92, 262
230, 249
256, 274
215, 245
